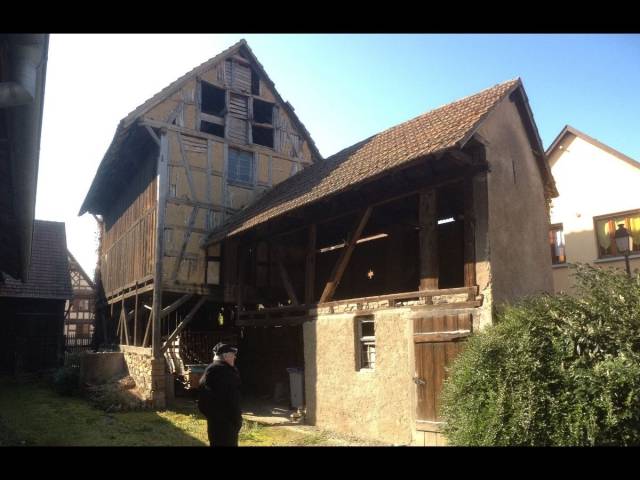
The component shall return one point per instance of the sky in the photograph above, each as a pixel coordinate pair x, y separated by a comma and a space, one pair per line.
344, 88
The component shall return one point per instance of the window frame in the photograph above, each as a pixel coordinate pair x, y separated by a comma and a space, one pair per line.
553, 228
235, 181
362, 342
612, 216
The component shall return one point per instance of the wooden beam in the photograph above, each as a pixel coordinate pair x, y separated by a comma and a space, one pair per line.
135, 319
345, 256
125, 320
440, 336
163, 191
310, 266
148, 329
428, 238
469, 235
286, 281
175, 305
183, 324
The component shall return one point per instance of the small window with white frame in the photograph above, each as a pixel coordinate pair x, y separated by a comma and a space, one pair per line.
365, 343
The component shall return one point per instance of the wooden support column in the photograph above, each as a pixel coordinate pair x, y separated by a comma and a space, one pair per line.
125, 320
285, 277
428, 220
163, 187
345, 256
135, 318
310, 266
147, 330
241, 266
469, 234
184, 324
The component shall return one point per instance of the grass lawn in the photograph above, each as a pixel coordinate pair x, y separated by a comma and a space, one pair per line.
33, 414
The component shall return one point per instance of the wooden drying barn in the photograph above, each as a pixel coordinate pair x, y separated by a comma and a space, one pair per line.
389, 254
180, 165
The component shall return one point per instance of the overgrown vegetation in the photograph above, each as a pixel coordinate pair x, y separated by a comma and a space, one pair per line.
33, 414
553, 370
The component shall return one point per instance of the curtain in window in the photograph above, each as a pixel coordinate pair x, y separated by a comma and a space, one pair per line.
603, 230
559, 244
634, 227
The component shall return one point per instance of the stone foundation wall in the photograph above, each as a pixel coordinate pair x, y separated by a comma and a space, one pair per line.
138, 363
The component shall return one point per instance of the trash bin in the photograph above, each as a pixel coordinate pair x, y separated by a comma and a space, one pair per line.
296, 387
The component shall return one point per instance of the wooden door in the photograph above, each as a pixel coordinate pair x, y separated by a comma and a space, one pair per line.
437, 339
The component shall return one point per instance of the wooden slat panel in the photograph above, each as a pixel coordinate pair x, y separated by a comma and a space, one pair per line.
435, 384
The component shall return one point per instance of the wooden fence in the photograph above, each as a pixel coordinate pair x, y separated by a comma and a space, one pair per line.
73, 346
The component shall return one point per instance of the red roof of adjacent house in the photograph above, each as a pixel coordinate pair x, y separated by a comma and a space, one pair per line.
443, 128
48, 276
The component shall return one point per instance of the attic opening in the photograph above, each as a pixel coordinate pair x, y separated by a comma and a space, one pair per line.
213, 100
262, 136
262, 111
212, 128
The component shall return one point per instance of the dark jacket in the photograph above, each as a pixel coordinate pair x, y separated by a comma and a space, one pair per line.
221, 382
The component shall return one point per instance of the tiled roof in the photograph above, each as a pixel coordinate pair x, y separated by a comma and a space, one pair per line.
49, 268
449, 126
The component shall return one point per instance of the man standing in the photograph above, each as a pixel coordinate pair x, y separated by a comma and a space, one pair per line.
220, 397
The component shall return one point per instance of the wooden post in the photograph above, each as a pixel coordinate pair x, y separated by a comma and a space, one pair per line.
146, 332
163, 186
184, 323
111, 320
310, 266
241, 259
428, 220
345, 256
285, 278
135, 318
469, 235
125, 320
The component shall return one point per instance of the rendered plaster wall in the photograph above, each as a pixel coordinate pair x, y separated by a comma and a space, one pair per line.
377, 404
518, 222
591, 182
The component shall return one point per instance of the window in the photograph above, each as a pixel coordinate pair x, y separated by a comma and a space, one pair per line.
262, 111
262, 136
606, 226
212, 109
556, 244
212, 128
213, 100
240, 166
255, 82
366, 343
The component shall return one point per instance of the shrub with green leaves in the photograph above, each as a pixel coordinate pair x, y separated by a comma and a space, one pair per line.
553, 370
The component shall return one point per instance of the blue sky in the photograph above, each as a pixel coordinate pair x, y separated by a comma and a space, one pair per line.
344, 88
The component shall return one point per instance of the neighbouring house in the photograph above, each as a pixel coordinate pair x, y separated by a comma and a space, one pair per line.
179, 165
598, 188
23, 67
79, 311
32, 320
377, 263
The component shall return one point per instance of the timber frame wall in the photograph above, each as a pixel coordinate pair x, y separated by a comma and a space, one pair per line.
179, 188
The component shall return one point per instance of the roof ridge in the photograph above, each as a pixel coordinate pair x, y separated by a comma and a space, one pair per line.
430, 112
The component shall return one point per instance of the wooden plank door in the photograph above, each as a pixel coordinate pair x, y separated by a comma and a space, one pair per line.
437, 339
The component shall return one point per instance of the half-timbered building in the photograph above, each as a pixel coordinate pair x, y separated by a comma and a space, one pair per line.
180, 165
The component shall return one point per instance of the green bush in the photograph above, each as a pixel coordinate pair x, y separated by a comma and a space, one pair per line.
66, 380
553, 370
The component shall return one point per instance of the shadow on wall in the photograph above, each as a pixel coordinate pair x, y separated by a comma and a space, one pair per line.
310, 370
